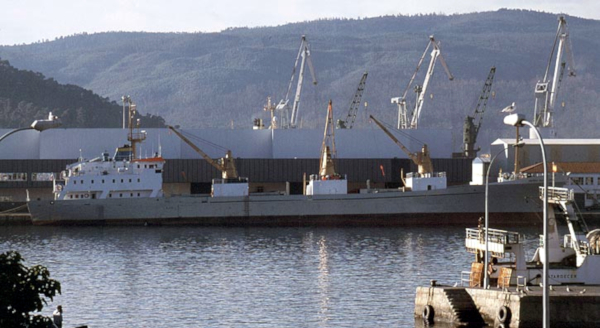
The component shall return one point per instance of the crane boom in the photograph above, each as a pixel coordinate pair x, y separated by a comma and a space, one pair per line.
304, 58
422, 160
411, 120
354, 105
225, 165
546, 91
473, 123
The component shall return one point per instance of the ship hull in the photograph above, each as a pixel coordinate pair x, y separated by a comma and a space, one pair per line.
509, 204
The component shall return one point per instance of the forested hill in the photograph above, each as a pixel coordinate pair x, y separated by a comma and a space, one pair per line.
26, 96
223, 79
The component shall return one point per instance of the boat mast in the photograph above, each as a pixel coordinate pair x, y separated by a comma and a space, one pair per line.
134, 137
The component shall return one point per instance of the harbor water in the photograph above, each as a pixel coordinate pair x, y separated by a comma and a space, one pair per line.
241, 277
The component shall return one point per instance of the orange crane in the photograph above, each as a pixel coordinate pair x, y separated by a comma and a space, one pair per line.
226, 165
421, 159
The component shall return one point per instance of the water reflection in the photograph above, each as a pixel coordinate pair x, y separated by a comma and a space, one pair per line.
323, 281
231, 277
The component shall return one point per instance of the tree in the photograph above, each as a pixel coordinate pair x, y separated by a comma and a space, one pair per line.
24, 290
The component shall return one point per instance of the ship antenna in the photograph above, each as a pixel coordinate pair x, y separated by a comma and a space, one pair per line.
159, 147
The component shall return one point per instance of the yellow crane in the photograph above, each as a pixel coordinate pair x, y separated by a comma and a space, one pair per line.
226, 165
421, 159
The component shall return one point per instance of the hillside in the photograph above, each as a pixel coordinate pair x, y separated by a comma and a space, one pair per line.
26, 96
222, 79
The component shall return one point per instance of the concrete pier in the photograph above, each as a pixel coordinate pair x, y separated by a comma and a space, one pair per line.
570, 306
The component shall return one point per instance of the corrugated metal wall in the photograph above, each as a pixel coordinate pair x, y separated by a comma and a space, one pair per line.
258, 170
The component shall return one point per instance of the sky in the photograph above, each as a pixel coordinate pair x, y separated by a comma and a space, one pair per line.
28, 21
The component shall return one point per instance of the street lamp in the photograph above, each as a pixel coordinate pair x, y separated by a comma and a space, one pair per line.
518, 120
39, 125
486, 279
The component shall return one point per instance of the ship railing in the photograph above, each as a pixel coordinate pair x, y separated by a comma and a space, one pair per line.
426, 175
141, 136
234, 180
582, 246
557, 194
494, 236
465, 278
314, 177
506, 176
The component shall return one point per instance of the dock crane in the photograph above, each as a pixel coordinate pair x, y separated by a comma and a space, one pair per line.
354, 105
225, 165
287, 120
546, 91
422, 159
473, 123
410, 120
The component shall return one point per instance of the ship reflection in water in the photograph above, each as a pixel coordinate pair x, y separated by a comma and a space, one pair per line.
233, 277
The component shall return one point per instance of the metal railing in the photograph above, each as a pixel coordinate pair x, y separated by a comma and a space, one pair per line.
494, 236
426, 175
465, 278
558, 194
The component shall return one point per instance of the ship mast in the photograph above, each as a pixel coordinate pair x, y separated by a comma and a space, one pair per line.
137, 136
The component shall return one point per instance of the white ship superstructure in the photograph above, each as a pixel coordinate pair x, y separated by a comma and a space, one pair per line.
125, 175
105, 177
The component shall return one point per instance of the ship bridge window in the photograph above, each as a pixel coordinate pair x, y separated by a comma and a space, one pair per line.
123, 153
74, 181
92, 181
138, 179
589, 180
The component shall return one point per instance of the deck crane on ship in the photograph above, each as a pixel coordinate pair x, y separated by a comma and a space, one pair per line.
288, 120
546, 90
473, 123
230, 184
425, 178
410, 120
328, 181
348, 123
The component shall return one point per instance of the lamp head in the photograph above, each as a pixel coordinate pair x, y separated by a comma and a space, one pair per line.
514, 119
50, 123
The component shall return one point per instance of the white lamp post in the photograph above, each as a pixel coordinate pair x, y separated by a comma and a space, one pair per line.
486, 279
519, 120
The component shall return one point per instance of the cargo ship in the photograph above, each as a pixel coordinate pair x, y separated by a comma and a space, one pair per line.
125, 189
